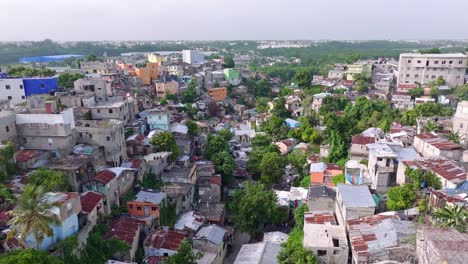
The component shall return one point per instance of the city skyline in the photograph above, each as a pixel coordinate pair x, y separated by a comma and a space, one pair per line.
147, 20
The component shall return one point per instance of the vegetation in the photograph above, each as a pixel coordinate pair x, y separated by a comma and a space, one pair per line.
225, 133
66, 80
215, 144
452, 216
422, 179
425, 110
32, 216
168, 216
226, 165
184, 255
430, 51
271, 168
303, 79
228, 62
26, 256
190, 95
258, 89
401, 197
7, 163
28, 72
338, 179
50, 180
193, 128
165, 141
253, 208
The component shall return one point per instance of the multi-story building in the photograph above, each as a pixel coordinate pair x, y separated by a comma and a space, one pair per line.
12, 90
156, 58
424, 68
192, 57
98, 86
218, 94
431, 145
106, 133
363, 69
159, 119
97, 67
105, 183
353, 201
460, 123
121, 110
147, 203
148, 74
318, 100
382, 166
164, 88
8, 127
47, 129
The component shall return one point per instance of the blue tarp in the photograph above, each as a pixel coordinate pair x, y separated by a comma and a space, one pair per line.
49, 58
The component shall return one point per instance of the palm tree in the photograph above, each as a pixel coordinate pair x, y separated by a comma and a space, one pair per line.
32, 215
452, 216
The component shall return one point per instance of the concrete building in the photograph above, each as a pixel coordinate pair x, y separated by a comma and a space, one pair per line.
158, 162
148, 74
106, 183
382, 166
212, 242
431, 145
8, 127
318, 100
358, 68
164, 88
322, 173
356, 173
147, 203
336, 74
359, 150
325, 238
120, 109
162, 243
156, 58
218, 94
180, 195
97, 67
77, 169
425, 68
98, 86
159, 119
381, 238
402, 100
264, 252
441, 245
127, 230
192, 57
47, 129
109, 134
460, 123
321, 197
353, 201
12, 90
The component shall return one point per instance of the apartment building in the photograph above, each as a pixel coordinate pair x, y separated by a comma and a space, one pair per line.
98, 86
97, 67
12, 90
424, 68
218, 94
107, 133
460, 123
192, 57
121, 110
164, 88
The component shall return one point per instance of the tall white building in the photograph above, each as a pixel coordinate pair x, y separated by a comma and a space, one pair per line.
424, 68
192, 57
12, 90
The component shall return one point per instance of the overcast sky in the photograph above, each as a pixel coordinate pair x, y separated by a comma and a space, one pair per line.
233, 19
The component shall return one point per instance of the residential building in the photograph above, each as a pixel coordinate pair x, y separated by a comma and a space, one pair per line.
156, 58
356, 173
218, 94
47, 129
209, 188
120, 109
285, 146
325, 238
180, 195
98, 86
125, 178
321, 197
163, 243
12, 90
322, 173
105, 183
353, 201
382, 237
212, 242
77, 99
402, 100
77, 169
293, 198
172, 69
65, 206
382, 166
362, 69
162, 88
424, 68
97, 67
106, 133
127, 230
336, 74
431, 145
318, 100
264, 252
190, 222
8, 127
139, 165
232, 76
447, 171
441, 245
40, 85
159, 119
460, 123
27, 159
213, 212
359, 150
147, 203
158, 162
148, 74
92, 206
182, 171
192, 57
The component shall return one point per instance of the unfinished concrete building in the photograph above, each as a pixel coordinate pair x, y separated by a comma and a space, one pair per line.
382, 167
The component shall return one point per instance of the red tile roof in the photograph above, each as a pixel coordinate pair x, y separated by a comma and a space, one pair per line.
89, 201
124, 229
215, 180
104, 176
331, 166
164, 239
362, 140
407, 86
438, 142
26, 154
320, 217
442, 167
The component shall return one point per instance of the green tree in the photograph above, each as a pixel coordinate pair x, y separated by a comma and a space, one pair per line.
26, 256
454, 137
431, 126
338, 179
298, 159
452, 216
260, 141
228, 62
430, 51
401, 197
416, 92
303, 79
32, 216
184, 254
163, 101
299, 215
421, 178
253, 207
165, 141
271, 168
66, 80
50, 180
193, 128
279, 108
214, 145
226, 165
338, 148
190, 95
261, 104
7, 163
5, 194
225, 133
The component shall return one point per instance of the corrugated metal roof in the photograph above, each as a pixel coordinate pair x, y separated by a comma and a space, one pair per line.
355, 195
212, 233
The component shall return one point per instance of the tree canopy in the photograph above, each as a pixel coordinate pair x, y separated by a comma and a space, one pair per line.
214, 145
401, 197
27, 256
165, 141
67, 79
50, 180
272, 168
184, 255
190, 95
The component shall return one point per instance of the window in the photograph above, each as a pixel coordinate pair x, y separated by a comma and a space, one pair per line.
153, 208
436, 62
42, 86
419, 61
321, 253
461, 125
457, 77
130, 205
138, 208
108, 138
21, 86
24, 140
427, 76
90, 135
9, 97
408, 68
433, 76
110, 111
99, 111
166, 254
7, 87
460, 62
379, 159
450, 62
336, 242
23, 97
336, 252
80, 134
416, 76
444, 62
7, 129
409, 61
407, 75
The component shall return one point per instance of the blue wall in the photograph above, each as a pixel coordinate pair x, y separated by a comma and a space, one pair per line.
39, 85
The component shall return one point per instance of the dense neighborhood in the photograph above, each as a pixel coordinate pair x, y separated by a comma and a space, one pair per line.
211, 156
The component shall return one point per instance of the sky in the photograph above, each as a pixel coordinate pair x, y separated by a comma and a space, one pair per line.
65, 20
